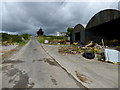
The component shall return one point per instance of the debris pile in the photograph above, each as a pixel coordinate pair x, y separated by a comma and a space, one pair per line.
95, 50
77, 50
90, 51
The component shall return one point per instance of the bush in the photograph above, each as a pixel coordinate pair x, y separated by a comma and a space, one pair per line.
13, 38
26, 36
16, 38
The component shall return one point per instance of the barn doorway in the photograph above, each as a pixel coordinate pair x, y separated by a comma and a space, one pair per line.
77, 36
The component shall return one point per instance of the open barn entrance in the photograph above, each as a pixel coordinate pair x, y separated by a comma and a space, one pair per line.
106, 31
77, 36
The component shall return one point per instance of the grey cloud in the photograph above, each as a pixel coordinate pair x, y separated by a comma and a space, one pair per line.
28, 17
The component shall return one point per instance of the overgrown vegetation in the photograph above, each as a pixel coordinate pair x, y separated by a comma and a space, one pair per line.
7, 39
52, 39
26, 36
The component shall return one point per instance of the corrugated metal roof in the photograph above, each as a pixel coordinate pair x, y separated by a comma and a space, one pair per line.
78, 28
102, 17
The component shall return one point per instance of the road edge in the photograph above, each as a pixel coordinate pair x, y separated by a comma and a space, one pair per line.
72, 76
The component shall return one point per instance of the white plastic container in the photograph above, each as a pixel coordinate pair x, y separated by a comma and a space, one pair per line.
112, 55
46, 41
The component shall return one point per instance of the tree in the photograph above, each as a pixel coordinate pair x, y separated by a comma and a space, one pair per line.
40, 32
69, 32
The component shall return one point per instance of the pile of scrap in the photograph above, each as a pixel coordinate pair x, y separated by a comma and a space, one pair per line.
89, 44
91, 50
77, 50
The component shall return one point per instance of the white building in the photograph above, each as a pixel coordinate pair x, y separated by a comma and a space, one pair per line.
61, 33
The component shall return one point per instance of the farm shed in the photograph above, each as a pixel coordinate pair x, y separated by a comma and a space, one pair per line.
103, 25
78, 33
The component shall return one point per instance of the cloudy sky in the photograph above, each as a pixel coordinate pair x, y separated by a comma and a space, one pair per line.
28, 17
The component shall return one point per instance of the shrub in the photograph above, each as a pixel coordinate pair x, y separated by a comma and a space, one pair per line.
26, 36
13, 38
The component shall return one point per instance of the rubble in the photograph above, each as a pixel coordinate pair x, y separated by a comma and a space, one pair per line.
89, 51
77, 50
97, 50
89, 44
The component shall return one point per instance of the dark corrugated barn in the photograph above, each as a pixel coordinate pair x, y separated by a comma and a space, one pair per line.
103, 25
78, 33
119, 5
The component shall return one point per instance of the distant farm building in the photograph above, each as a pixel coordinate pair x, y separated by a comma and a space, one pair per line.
78, 33
61, 33
103, 25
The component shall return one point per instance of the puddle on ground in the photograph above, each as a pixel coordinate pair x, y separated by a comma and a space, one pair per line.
23, 81
82, 77
19, 79
12, 61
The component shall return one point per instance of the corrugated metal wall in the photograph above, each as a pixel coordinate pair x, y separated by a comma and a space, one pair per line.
104, 25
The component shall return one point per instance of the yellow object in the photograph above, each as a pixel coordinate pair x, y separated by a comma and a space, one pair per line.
75, 43
95, 50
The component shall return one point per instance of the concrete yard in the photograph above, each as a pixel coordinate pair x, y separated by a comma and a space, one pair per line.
97, 74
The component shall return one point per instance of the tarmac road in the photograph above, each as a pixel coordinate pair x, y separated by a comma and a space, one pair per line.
32, 67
